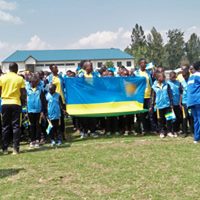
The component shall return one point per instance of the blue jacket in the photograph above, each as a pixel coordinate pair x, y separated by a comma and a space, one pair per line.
193, 91
41, 85
184, 84
50, 80
162, 96
53, 106
34, 102
176, 91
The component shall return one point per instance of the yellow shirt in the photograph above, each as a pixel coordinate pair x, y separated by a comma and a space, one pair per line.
147, 93
57, 83
180, 78
88, 75
11, 83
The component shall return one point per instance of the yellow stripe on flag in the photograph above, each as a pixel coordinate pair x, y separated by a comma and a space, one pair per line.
101, 108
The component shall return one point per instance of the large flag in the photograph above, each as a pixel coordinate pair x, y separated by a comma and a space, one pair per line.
104, 96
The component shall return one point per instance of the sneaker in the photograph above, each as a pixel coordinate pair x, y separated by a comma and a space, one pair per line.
175, 135
108, 134
53, 143
37, 144
94, 135
135, 133
196, 142
117, 133
15, 152
32, 145
42, 141
162, 135
5, 152
59, 143
143, 133
126, 133
170, 135
180, 132
82, 135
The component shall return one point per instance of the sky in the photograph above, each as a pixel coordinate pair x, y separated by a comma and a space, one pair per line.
75, 24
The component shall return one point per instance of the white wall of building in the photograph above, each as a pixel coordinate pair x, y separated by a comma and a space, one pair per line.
63, 66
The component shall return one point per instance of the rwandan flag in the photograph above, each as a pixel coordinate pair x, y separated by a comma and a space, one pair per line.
104, 96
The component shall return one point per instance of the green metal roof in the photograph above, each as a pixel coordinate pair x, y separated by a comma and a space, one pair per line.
68, 55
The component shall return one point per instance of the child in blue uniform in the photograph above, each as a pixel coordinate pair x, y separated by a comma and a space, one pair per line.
35, 109
54, 106
187, 117
176, 94
162, 99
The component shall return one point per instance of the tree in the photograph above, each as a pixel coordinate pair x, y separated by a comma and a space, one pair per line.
138, 46
193, 48
155, 47
175, 48
109, 64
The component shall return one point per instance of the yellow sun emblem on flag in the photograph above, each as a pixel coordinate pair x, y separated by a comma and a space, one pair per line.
130, 88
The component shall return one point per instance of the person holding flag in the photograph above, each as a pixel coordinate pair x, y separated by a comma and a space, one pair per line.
143, 72
162, 99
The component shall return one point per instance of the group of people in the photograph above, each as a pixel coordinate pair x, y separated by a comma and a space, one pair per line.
173, 105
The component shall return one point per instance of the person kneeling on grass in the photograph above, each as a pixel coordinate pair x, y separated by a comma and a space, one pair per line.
161, 98
54, 106
36, 109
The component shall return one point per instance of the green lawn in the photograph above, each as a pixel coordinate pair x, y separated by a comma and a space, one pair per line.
106, 168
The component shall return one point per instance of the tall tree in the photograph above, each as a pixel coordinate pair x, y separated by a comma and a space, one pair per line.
155, 47
138, 46
193, 48
175, 48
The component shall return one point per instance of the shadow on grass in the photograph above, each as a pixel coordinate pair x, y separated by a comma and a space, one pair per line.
46, 147
76, 138
9, 172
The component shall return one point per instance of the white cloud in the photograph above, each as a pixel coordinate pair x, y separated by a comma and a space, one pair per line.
5, 16
120, 38
102, 39
189, 31
5, 5
36, 43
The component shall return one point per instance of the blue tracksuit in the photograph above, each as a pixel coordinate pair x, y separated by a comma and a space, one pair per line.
162, 95
50, 80
193, 101
184, 84
54, 110
34, 103
176, 91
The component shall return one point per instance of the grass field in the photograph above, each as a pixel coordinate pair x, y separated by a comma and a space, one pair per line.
106, 168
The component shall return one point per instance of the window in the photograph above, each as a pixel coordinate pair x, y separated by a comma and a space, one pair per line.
60, 64
40, 65
119, 64
70, 64
30, 68
128, 63
99, 64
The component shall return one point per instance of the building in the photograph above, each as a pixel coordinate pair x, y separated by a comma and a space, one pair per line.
36, 60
